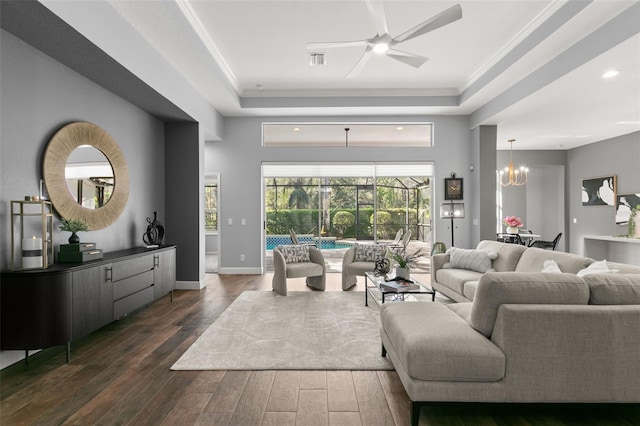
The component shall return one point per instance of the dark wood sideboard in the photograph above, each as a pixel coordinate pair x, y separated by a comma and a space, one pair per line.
54, 306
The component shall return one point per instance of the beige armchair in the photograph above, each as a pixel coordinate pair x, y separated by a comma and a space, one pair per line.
287, 266
354, 264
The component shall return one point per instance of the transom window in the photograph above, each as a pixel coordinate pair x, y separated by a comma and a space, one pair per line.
346, 134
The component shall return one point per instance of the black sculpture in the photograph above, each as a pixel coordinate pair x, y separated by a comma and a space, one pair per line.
155, 231
382, 267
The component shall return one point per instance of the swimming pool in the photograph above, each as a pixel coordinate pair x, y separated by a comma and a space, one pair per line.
327, 243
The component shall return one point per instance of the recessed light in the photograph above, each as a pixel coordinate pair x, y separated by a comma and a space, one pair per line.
380, 48
399, 128
296, 129
610, 74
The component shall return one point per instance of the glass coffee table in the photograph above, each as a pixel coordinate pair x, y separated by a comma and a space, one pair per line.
376, 280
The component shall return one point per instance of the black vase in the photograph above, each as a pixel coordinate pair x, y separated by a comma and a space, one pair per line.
74, 238
155, 231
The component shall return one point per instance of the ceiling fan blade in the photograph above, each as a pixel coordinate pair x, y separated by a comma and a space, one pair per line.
440, 20
332, 44
414, 60
376, 10
361, 62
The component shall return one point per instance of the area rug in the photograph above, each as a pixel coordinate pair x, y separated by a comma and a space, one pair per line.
306, 330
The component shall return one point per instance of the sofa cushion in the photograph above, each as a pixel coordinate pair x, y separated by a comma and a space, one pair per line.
445, 350
369, 252
498, 288
295, 253
473, 260
359, 268
455, 278
532, 260
303, 269
599, 267
462, 309
551, 267
469, 289
613, 289
508, 254
624, 268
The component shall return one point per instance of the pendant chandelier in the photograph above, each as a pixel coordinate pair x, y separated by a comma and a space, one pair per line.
511, 176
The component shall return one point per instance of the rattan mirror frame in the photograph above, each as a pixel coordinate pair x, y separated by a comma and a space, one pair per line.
63, 142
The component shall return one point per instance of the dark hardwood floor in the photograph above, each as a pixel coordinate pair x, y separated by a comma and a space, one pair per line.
120, 375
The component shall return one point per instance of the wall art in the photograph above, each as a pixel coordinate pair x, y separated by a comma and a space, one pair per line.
600, 191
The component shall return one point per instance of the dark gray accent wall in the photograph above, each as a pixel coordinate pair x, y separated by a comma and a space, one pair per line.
184, 198
33, 23
39, 95
484, 196
617, 156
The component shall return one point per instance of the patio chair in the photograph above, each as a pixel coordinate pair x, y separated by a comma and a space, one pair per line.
396, 241
295, 261
406, 238
294, 239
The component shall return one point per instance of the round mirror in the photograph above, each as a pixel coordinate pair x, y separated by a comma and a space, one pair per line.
86, 175
89, 177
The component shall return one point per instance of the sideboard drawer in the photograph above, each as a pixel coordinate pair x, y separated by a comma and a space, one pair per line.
132, 302
128, 268
132, 285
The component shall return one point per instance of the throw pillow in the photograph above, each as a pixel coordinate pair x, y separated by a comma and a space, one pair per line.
472, 260
599, 267
295, 253
369, 252
551, 266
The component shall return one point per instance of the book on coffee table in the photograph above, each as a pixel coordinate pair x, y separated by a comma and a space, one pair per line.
399, 286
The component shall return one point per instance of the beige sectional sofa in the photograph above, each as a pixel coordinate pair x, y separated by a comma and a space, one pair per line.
460, 284
527, 336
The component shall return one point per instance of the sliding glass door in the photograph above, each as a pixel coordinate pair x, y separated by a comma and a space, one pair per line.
335, 205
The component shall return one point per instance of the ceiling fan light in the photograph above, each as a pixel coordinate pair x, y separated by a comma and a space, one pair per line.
380, 48
316, 59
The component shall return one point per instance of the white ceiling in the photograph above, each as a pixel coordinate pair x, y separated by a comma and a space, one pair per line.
520, 64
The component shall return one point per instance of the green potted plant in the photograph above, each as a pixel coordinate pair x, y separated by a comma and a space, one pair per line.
74, 226
632, 225
405, 262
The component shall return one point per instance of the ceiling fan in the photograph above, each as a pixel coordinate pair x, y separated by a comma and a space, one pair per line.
383, 43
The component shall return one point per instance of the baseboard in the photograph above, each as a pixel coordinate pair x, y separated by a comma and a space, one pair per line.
240, 271
190, 285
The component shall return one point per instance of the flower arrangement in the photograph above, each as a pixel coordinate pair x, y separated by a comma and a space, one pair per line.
513, 221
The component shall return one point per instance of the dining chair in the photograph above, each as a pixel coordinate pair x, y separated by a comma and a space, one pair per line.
548, 245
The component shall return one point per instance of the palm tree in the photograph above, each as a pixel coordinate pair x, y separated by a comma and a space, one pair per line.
298, 199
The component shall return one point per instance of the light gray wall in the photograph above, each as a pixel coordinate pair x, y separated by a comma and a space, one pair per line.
39, 95
617, 156
239, 157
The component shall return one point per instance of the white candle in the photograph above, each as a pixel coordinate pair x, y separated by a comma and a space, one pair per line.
32, 253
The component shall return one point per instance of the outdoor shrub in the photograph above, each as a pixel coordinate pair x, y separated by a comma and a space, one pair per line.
342, 220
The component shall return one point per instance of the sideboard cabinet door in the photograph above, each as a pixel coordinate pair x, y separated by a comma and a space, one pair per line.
92, 299
164, 272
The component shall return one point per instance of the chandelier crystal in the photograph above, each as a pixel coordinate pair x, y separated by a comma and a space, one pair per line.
511, 176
